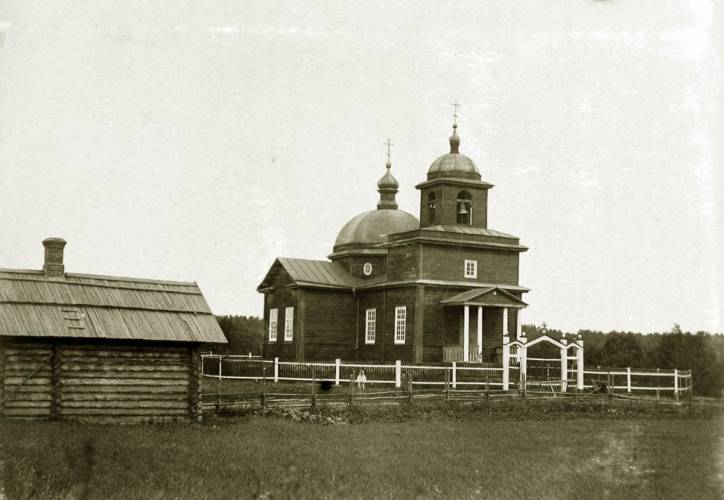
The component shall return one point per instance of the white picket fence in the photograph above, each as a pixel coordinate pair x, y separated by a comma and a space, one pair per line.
669, 382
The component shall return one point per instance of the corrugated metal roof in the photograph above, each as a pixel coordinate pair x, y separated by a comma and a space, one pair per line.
88, 306
319, 272
468, 230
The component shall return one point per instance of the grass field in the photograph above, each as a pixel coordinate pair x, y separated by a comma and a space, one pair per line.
448, 456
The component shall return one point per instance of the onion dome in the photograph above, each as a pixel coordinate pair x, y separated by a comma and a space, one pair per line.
454, 164
387, 187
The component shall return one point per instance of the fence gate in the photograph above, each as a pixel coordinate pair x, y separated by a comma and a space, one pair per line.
551, 371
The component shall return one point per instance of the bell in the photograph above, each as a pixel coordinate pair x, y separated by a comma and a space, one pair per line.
463, 209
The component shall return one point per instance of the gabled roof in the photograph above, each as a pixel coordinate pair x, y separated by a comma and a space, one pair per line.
104, 307
492, 296
315, 273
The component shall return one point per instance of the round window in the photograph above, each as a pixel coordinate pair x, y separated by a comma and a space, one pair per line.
367, 269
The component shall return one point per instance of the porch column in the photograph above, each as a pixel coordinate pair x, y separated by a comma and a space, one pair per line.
519, 323
466, 334
480, 333
505, 321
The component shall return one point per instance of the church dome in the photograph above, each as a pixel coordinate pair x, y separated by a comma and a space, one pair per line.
370, 228
453, 164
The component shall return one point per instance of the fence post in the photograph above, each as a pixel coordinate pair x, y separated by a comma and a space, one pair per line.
263, 385
658, 384
314, 392
398, 373
691, 389
506, 362
447, 386
218, 394
351, 389
628, 380
676, 384
579, 364
454, 375
409, 388
276, 370
336, 371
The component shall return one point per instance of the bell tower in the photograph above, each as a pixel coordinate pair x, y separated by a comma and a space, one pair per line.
454, 193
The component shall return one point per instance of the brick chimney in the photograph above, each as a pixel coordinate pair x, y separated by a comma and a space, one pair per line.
53, 266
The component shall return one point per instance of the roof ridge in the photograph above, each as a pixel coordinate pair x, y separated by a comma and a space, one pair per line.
102, 277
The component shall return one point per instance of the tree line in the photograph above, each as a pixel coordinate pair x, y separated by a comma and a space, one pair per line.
700, 352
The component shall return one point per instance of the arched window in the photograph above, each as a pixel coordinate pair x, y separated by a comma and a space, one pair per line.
464, 208
431, 206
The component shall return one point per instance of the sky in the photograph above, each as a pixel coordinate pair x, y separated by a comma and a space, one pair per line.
200, 140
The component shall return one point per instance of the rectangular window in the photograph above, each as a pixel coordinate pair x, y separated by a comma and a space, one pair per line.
371, 326
471, 268
400, 323
273, 325
288, 323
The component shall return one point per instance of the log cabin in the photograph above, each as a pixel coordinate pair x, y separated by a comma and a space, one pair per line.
100, 348
444, 287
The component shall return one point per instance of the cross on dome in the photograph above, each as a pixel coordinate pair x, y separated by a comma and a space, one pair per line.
455, 106
389, 145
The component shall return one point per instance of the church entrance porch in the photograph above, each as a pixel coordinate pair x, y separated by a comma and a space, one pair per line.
481, 319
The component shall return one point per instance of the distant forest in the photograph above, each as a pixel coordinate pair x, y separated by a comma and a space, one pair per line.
700, 352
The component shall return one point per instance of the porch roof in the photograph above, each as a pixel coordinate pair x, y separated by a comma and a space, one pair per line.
491, 296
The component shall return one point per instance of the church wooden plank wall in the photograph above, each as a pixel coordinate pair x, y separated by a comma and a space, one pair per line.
446, 262
330, 320
100, 381
402, 263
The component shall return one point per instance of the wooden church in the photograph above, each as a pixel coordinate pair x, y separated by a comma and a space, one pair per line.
443, 287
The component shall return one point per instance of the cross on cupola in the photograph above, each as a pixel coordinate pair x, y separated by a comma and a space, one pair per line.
389, 145
454, 138
387, 185
455, 106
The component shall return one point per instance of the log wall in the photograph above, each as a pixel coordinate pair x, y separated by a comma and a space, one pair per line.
100, 381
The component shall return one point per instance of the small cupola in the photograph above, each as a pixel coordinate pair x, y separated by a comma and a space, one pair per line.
387, 187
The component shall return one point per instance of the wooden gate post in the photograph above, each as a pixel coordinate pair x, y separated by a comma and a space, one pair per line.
454, 375
398, 374
276, 370
628, 380
336, 371
564, 365
579, 363
676, 385
506, 362
523, 361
